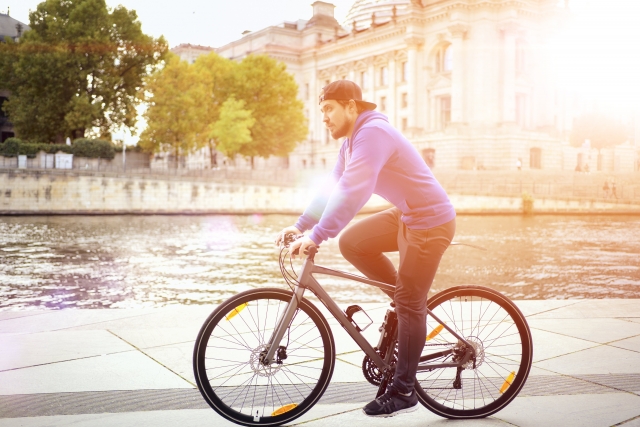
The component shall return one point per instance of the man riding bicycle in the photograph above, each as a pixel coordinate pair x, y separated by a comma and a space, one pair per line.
376, 158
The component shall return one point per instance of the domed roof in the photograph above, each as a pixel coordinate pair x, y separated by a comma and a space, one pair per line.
362, 10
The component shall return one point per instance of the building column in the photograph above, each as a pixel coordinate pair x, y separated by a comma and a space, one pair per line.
371, 81
509, 73
391, 92
458, 32
413, 44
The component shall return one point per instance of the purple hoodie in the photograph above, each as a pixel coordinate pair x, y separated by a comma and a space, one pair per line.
377, 159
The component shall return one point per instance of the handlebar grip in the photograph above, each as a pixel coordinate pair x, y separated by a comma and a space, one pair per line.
311, 251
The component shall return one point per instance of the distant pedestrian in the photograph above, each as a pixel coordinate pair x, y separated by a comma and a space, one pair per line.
605, 188
613, 190
519, 164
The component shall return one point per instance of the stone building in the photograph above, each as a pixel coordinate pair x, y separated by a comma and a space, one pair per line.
469, 82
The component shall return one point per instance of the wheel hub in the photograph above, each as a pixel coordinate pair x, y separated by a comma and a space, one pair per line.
478, 348
262, 370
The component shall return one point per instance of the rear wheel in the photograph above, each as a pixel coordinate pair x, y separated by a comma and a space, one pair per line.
501, 338
227, 365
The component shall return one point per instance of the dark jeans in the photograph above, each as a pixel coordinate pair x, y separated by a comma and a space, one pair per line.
363, 245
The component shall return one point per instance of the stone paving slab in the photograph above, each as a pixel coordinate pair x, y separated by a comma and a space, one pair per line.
589, 309
123, 371
556, 345
17, 350
629, 344
596, 360
596, 330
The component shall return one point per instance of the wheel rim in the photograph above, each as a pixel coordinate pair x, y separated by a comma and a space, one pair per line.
239, 386
502, 348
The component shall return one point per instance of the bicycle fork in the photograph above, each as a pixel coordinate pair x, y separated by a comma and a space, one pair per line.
267, 356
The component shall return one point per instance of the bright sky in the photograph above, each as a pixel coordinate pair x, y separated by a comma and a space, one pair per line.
598, 51
599, 54
205, 22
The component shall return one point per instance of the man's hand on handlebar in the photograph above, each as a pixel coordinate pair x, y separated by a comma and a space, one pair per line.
288, 230
299, 246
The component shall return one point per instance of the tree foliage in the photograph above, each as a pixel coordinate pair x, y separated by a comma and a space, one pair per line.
173, 114
81, 67
272, 96
92, 148
602, 131
232, 131
248, 108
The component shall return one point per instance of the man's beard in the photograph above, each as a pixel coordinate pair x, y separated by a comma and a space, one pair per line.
338, 133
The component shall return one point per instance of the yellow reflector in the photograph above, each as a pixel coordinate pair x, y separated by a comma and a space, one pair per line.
283, 409
435, 332
235, 311
507, 382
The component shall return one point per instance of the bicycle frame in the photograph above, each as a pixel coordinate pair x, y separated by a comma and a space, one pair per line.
307, 281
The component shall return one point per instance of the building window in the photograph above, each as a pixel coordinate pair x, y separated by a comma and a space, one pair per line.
384, 76
444, 107
404, 100
383, 103
444, 59
404, 73
521, 110
404, 124
429, 156
535, 158
363, 80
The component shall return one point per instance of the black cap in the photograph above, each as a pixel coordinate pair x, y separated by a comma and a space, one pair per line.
344, 90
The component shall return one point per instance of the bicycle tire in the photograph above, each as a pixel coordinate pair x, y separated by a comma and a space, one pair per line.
236, 385
496, 327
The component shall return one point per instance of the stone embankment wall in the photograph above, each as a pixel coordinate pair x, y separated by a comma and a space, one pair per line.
36, 192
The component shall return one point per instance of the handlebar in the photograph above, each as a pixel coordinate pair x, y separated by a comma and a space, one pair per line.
289, 238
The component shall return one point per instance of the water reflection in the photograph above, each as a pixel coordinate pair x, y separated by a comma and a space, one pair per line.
151, 261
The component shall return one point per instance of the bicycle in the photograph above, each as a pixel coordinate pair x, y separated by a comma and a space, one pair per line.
266, 356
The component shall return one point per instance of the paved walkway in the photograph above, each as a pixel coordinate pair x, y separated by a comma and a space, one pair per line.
133, 368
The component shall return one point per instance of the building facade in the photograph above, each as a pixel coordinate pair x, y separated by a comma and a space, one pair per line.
469, 82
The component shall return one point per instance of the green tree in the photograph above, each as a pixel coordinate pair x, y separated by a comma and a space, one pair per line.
174, 114
81, 67
232, 131
271, 94
601, 130
257, 95
216, 74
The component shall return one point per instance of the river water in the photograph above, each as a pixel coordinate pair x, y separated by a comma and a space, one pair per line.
152, 261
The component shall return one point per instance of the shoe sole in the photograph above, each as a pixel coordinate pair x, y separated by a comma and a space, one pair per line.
393, 414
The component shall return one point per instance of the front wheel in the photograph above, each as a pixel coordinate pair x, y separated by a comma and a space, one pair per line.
228, 368
502, 342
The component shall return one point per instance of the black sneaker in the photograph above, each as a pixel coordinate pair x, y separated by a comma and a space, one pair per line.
391, 403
